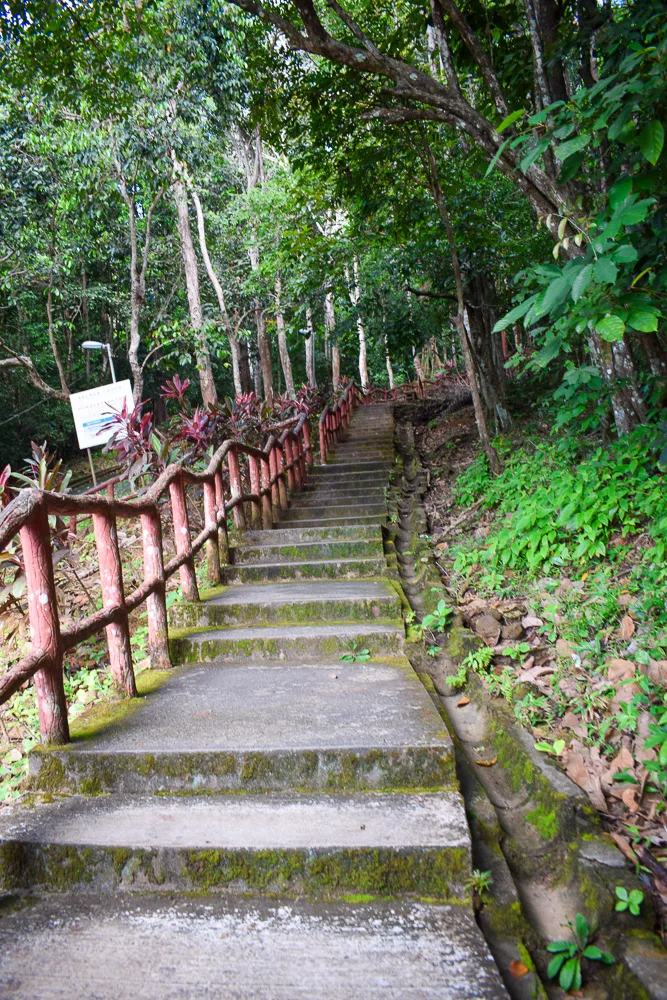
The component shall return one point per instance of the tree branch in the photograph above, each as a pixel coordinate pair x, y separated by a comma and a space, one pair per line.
474, 46
23, 361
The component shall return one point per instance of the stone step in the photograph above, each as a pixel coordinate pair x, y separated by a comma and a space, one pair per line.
318, 471
332, 522
358, 548
285, 642
334, 478
321, 496
154, 948
314, 511
316, 600
286, 536
318, 569
324, 725
345, 484
322, 845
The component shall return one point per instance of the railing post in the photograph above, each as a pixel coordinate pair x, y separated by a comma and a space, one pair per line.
275, 488
236, 488
280, 467
323, 440
296, 458
45, 626
111, 580
156, 606
267, 510
179, 514
256, 505
308, 447
289, 468
303, 466
223, 539
211, 523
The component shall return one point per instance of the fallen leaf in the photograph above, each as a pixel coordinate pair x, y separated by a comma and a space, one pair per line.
623, 845
518, 969
620, 670
531, 621
462, 701
627, 627
487, 763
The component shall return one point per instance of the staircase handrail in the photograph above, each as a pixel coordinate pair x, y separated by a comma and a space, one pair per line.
271, 474
334, 419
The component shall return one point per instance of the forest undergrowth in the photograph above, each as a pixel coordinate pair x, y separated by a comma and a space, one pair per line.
558, 565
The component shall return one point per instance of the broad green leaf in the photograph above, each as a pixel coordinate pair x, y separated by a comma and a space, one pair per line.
511, 118
619, 191
558, 946
611, 328
514, 314
633, 214
644, 319
554, 294
625, 254
581, 925
605, 270
568, 973
581, 282
495, 159
572, 146
554, 966
593, 952
651, 141
550, 350
532, 155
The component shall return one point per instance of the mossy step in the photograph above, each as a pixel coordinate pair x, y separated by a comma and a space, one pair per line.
151, 947
259, 727
357, 549
319, 569
313, 601
280, 535
332, 522
314, 845
344, 484
304, 511
285, 642
318, 471
322, 496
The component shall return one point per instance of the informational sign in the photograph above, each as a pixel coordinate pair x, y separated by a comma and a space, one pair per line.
93, 408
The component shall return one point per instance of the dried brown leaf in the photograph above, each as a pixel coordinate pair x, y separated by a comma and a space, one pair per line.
487, 763
518, 970
462, 701
627, 628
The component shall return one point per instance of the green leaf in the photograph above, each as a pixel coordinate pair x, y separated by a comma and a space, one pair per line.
607, 958
558, 946
633, 214
582, 281
572, 146
651, 141
581, 926
644, 319
550, 350
511, 118
546, 748
554, 966
611, 328
555, 294
605, 270
568, 973
625, 254
533, 154
593, 952
619, 191
497, 156
514, 314
621, 892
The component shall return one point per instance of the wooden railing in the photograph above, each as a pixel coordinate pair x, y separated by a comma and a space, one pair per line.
262, 483
334, 419
421, 389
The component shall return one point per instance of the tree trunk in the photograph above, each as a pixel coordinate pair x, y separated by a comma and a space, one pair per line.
615, 362
213, 278
329, 324
310, 349
355, 297
387, 358
655, 354
282, 343
206, 381
244, 367
335, 365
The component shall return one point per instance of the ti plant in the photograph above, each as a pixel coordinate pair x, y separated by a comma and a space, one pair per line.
566, 963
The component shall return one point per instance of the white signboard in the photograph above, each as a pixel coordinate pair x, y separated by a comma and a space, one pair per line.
92, 409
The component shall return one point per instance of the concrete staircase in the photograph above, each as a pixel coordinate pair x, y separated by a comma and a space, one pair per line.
267, 820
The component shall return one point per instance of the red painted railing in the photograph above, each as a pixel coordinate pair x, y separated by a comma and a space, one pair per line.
271, 473
334, 419
421, 389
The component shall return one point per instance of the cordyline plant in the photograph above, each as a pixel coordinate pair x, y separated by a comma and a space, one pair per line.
189, 436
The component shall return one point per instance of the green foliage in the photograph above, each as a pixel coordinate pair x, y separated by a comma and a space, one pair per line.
356, 654
437, 621
566, 963
459, 679
555, 749
479, 660
631, 900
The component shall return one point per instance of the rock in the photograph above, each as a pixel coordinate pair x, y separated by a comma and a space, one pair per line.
487, 626
512, 631
530, 621
620, 670
494, 613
